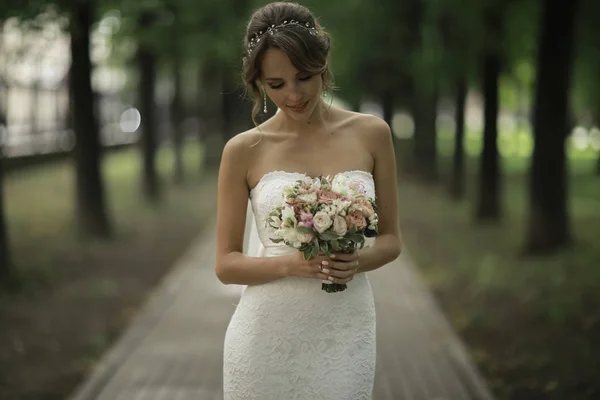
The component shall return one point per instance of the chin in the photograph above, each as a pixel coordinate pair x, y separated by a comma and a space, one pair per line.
302, 115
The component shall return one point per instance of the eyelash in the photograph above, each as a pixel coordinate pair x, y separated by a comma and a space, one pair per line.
281, 84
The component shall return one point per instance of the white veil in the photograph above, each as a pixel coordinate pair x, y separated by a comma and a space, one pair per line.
252, 245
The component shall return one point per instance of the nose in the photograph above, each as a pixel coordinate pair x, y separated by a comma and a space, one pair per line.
294, 95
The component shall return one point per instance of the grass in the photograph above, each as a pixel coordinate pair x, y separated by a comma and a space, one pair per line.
40, 216
531, 323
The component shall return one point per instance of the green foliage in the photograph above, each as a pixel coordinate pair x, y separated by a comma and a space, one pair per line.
586, 96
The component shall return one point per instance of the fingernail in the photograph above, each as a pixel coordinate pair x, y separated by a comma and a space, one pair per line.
325, 271
324, 263
327, 282
330, 278
332, 256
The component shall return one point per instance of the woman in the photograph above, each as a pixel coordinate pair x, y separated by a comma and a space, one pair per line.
288, 339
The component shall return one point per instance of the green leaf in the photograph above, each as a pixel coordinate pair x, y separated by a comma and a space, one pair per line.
328, 235
307, 254
336, 245
315, 251
324, 246
303, 229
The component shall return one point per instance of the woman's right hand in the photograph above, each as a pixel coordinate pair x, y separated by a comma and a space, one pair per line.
315, 268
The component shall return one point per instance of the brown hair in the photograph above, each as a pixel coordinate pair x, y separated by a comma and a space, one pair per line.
308, 52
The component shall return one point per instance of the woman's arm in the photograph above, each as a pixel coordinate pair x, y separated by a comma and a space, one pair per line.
232, 265
388, 244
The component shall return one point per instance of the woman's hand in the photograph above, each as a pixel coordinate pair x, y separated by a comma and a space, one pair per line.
313, 268
342, 267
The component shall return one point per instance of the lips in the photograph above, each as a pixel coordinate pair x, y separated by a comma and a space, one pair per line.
299, 107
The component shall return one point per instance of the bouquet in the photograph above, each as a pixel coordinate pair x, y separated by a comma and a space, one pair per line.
324, 215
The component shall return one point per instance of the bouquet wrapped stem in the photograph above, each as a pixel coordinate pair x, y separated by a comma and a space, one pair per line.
337, 287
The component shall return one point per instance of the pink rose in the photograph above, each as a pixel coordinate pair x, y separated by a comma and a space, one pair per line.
327, 196
356, 219
363, 205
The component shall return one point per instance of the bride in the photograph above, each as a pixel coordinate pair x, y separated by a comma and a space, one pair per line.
288, 339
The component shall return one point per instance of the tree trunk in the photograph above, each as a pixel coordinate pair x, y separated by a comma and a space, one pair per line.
549, 227
489, 195
425, 136
92, 215
457, 183
212, 100
488, 205
597, 124
176, 102
176, 121
147, 66
5, 259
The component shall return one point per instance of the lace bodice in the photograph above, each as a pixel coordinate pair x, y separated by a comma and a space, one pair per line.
268, 194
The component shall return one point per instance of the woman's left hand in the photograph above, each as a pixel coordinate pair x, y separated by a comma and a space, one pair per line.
341, 267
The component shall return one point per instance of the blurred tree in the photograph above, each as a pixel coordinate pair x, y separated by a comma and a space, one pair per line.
92, 215
488, 200
586, 96
549, 227
177, 100
460, 29
5, 259
427, 55
146, 64
90, 206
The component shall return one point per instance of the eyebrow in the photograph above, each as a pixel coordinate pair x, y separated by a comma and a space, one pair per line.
280, 79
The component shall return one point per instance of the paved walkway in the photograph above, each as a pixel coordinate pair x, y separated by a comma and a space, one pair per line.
173, 349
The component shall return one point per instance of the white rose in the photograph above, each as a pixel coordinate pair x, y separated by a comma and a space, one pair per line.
340, 185
293, 237
289, 217
321, 221
339, 225
304, 237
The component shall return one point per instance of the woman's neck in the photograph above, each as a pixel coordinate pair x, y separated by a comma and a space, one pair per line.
316, 124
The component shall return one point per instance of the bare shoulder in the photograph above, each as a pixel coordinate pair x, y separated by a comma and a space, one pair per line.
240, 147
239, 154
373, 130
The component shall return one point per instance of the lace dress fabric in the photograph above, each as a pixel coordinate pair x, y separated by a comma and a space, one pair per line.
288, 339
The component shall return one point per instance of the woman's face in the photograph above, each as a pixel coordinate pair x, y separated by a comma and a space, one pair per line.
294, 92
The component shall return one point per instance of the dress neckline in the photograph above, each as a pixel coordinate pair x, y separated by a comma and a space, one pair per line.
303, 174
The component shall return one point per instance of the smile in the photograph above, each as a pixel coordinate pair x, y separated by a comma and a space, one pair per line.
300, 107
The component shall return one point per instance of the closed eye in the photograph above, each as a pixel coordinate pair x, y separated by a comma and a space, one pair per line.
280, 85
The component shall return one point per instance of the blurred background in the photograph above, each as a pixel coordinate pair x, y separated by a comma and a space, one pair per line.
113, 116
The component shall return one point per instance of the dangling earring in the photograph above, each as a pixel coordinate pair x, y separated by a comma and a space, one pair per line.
324, 93
265, 101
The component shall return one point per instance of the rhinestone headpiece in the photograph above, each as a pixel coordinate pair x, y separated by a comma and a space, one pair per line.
275, 28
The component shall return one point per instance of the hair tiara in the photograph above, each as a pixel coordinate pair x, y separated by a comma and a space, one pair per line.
253, 42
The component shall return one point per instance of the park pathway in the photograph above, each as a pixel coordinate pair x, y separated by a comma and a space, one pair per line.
173, 349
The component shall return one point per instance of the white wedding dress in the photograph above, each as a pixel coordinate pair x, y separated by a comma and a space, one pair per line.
288, 339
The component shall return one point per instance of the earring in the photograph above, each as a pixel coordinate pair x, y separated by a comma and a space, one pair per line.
324, 93
265, 102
